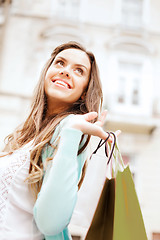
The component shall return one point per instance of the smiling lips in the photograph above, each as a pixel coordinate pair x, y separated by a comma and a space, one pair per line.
62, 83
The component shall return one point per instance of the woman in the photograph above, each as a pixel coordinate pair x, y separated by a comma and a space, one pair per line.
45, 161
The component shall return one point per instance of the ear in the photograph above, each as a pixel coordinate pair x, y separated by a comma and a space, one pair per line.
83, 95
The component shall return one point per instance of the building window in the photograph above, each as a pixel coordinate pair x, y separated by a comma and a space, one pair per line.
121, 89
155, 236
68, 9
129, 83
135, 92
132, 11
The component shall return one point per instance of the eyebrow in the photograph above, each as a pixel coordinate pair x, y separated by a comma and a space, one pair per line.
77, 64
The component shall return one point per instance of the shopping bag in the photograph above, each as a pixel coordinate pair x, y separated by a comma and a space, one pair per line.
90, 191
118, 215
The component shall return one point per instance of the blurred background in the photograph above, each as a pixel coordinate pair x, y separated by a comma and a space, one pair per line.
124, 35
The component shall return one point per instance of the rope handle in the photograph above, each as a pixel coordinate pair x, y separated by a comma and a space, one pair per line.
102, 142
112, 147
117, 164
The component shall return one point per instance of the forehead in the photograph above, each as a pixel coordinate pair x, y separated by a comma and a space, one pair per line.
75, 56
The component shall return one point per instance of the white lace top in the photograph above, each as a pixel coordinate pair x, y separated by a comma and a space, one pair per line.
16, 199
51, 212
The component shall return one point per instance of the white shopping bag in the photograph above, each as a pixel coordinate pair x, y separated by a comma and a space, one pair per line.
90, 191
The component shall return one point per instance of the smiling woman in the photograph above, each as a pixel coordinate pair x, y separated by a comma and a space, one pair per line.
46, 156
66, 79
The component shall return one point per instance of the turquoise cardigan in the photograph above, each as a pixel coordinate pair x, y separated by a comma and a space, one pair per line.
57, 198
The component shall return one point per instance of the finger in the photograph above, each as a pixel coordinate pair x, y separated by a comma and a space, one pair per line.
103, 115
102, 118
90, 116
117, 133
98, 132
92, 129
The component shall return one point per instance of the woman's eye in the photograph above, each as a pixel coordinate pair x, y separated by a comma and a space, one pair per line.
60, 63
79, 70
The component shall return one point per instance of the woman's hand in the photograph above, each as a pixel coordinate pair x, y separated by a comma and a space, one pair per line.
82, 122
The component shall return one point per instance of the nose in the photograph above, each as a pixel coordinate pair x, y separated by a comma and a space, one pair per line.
65, 73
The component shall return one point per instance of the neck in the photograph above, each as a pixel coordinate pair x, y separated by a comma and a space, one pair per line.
54, 109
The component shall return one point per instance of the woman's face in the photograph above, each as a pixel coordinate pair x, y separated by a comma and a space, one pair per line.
67, 78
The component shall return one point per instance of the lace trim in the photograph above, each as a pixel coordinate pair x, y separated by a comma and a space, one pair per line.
18, 158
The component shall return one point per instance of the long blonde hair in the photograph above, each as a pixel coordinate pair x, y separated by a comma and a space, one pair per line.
40, 129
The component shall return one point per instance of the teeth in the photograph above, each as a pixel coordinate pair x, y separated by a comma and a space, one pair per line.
62, 83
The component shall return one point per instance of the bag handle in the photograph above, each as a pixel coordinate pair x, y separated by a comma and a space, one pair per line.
100, 145
112, 147
116, 152
106, 149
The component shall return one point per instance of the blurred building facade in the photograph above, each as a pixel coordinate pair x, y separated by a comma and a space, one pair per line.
125, 37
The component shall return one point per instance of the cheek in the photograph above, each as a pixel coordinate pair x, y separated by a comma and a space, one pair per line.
82, 87
47, 80
49, 74
45, 86
85, 83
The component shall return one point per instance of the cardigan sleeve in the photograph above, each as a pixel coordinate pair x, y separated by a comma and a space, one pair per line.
56, 201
